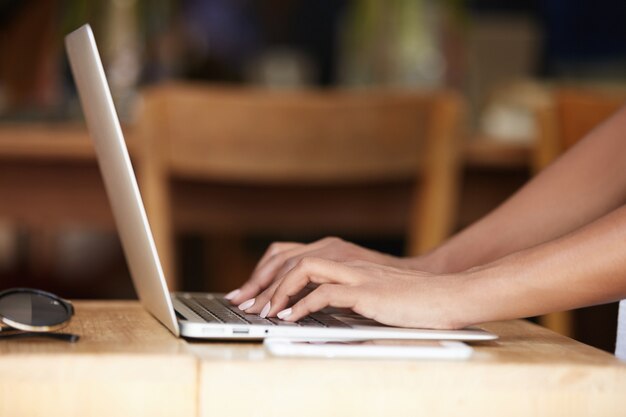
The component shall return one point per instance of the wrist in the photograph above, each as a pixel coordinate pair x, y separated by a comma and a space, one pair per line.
493, 292
464, 299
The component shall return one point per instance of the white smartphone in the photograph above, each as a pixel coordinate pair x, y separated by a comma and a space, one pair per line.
384, 349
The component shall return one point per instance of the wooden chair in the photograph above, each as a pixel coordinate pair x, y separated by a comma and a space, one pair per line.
239, 161
573, 113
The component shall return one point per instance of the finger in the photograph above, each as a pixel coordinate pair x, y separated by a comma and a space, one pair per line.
310, 270
262, 275
262, 298
262, 303
326, 295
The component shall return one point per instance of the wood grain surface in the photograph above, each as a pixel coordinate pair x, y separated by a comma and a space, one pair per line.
126, 364
529, 371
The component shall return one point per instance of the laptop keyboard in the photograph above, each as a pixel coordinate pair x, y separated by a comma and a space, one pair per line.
217, 310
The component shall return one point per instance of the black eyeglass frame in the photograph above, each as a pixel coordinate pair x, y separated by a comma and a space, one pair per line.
66, 304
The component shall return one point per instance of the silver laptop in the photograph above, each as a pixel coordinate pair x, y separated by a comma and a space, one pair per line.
194, 315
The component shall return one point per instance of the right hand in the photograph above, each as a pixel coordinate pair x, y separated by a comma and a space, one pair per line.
281, 257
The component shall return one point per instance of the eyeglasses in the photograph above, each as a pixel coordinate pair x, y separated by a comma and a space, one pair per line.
26, 312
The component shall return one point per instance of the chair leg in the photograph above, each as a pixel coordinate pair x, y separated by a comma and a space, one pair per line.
157, 201
435, 198
561, 322
154, 181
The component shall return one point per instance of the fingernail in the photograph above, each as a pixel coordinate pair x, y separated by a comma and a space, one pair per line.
246, 304
232, 294
284, 314
266, 310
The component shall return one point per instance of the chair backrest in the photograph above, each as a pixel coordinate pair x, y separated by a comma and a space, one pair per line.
260, 136
244, 136
573, 113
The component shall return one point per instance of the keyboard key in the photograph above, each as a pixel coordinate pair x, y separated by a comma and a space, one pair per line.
223, 313
279, 322
254, 319
196, 308
329, 321
217, 310
309, 321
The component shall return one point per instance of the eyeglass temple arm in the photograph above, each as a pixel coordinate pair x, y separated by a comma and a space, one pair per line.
65, 337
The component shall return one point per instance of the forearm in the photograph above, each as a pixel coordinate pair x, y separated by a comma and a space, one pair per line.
583, 185
583, 268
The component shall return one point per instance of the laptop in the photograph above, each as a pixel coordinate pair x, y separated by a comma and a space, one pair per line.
187, 314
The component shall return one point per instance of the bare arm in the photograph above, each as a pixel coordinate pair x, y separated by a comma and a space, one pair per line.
585, 267
586, 183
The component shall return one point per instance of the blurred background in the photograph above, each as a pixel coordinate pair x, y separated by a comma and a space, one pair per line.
521, 71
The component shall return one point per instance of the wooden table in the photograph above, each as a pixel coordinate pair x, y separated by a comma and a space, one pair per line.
126, 364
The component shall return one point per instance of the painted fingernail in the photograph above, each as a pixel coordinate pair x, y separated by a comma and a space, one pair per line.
247, 304
232, 294
284, 314
266, 310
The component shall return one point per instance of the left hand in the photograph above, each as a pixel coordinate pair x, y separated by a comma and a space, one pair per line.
392, 296
280, 257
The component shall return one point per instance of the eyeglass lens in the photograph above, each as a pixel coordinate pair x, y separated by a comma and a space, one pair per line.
33, 309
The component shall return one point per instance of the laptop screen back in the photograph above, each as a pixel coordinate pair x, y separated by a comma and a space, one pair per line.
119, 178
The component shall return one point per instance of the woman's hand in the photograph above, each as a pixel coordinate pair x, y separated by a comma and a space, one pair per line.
391, 296
281, 257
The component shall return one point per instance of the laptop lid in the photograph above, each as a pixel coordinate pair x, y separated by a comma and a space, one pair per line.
119, 178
